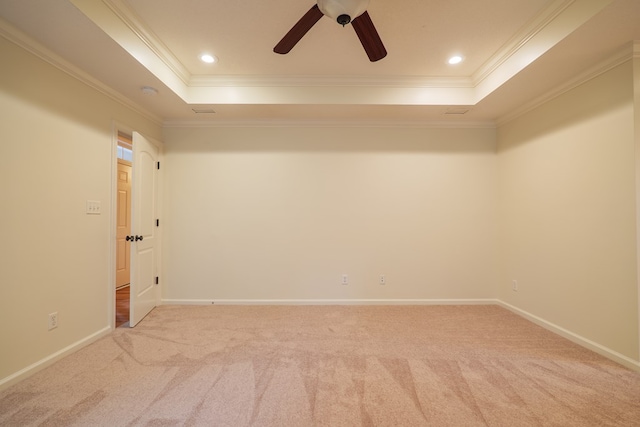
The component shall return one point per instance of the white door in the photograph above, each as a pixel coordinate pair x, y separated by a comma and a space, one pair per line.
144, 248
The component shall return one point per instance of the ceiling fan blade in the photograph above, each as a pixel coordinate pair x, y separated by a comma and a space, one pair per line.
299, 30
369, 37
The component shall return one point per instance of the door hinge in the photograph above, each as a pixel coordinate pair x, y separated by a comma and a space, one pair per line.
157, 280
158, 165
157, 223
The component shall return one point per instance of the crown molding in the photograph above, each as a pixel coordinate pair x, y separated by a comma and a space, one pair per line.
19, 38
131, 19
520, 39
554, 24
413, 124
625, 54
329, 81
636, 48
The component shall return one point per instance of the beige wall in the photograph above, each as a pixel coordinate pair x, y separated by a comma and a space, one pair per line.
55, 153
567, 198
260, 214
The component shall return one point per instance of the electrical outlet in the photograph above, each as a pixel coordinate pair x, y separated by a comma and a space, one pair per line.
514, 285
383, 280
345, 279
53, 320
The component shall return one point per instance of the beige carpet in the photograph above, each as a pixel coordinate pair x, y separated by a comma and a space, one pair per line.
328, 365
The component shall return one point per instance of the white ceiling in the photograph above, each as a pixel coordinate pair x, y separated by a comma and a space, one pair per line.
515, 51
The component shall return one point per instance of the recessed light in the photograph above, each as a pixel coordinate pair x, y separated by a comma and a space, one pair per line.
209, 59
455, 60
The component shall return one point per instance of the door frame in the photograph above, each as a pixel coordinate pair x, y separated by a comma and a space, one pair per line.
111, 274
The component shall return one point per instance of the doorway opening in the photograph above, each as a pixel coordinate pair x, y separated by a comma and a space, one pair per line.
123, 229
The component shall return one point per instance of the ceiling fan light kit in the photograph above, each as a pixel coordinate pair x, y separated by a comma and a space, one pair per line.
343, 12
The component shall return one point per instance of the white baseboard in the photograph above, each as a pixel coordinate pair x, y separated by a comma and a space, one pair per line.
49, 360
329, 301
580, 340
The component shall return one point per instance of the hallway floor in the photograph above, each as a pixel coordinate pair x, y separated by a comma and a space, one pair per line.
122, 306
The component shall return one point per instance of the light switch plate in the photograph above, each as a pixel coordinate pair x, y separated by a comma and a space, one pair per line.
93, 207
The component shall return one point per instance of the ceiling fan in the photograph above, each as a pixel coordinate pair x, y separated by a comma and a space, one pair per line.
343, 12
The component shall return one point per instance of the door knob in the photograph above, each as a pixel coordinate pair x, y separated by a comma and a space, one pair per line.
139, 238
129, 238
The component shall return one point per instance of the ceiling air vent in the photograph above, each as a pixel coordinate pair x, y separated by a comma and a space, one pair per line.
457, 111
203, 110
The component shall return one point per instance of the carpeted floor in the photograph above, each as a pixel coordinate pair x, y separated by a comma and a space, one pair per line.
328, 365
